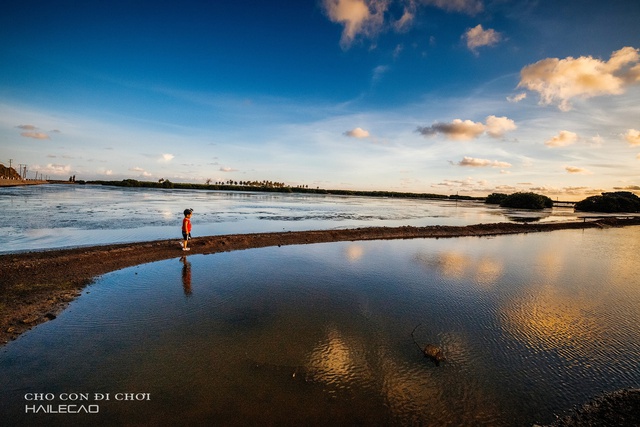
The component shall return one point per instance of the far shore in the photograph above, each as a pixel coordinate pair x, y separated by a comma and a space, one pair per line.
18, 182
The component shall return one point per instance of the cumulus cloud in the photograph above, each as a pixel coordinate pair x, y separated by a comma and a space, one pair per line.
167, 157
357, 133
632, 137
560, 80
356, 16
498, 126
482, 163
227, 169
573, 169
477, 37
563, 139
459, 130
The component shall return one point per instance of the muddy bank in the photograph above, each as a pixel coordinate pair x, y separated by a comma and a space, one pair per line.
36, 286
617, 409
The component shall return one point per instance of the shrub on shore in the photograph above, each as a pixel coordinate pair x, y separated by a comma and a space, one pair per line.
526, 201
618, 201
495, 198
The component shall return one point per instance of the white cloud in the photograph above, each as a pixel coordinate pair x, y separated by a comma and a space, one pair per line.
517, 98
481, 163
573, 169
378, 72
477, 37
559, 80
357, 133
167, 157
52, 169
633, 137
227, 169
563, 139
498, 126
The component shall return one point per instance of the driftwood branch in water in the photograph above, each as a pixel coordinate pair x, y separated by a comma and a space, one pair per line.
430, 351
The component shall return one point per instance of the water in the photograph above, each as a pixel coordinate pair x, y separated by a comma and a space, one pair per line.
531, 326
56, 216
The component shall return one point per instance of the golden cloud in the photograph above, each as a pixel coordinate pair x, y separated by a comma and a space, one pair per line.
477, 37
482, 163
559, 80
356, 17
563, 139
458, 130
498, 126
35, 135
574, 169
357, 133
633, 137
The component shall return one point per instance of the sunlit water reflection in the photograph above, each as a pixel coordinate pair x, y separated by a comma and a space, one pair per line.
54, 216
531, 325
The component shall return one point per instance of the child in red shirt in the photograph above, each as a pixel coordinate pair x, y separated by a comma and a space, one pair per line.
186, 229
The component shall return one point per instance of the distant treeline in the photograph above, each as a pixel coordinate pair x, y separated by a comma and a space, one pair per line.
277, 189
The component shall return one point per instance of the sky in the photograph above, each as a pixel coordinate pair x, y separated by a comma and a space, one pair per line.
461, 97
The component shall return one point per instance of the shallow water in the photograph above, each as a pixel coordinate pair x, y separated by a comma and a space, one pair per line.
531, 326
55, 216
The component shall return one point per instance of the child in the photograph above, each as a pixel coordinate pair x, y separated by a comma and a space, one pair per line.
186, 229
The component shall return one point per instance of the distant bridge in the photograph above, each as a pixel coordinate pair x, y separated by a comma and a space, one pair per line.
563, 204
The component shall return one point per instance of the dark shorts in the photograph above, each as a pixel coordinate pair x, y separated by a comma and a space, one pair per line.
186, 236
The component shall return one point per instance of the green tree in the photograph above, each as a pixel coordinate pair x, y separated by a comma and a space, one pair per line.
526, 201
618, 201
495, 198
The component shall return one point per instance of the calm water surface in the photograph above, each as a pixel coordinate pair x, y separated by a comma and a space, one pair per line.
54, 216
320, 334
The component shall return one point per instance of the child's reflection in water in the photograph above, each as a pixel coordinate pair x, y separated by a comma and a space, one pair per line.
186, 276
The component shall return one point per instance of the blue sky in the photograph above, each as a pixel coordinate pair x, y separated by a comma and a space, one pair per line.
436, 96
